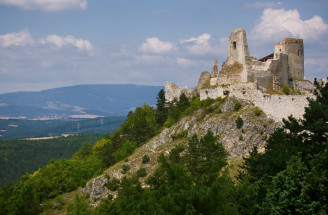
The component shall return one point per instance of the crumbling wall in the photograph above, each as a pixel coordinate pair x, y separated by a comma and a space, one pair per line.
231, 73
275, 106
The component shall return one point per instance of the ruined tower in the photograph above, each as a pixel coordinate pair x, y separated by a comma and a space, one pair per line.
234, 70
294, 49
238, 48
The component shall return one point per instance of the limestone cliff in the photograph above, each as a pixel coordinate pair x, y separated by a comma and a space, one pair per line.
220, 118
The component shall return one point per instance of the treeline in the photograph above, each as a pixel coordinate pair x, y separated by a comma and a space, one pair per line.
18, 157
289, 178
21, 129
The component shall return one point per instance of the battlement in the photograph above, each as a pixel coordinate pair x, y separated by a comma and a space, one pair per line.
290, 41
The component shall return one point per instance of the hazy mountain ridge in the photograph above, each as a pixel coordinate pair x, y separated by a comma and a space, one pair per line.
102, 100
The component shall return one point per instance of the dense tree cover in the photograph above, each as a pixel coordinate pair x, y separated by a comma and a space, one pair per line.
291, 175
58, 176
188, 184
20, 156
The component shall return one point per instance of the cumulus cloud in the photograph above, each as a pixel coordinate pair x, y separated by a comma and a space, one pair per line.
47, 5
262, 5
22, 38
276, 24
82, 45
198, 45
155, 45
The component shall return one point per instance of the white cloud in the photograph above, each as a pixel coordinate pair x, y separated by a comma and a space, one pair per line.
22, 38
198, 45
276, 24
262, 5
154, 45
47, 5
82, 45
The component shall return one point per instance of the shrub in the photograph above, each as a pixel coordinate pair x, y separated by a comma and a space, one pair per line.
237, 106
258, 112
239, 122
126, 149
285, 90
113, 184
145, 159
169, 122
125, 168
180, 135
241, 138
141, 173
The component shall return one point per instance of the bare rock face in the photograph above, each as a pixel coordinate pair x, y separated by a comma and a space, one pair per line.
222, 122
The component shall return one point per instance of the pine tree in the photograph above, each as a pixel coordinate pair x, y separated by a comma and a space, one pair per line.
161, 109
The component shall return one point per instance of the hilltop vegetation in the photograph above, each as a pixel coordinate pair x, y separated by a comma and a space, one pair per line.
290, 177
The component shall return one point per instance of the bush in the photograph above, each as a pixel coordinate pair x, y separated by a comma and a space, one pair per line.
182, 134
145, 159
125, 168
237, 106
239, 122
113, 184
241, 138
258, 112
141, 173
126, 149
169, 122
285, 90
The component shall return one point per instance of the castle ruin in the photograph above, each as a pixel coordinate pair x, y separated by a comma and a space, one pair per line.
248, 78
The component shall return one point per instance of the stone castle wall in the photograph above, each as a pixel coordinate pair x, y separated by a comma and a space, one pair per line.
275, 106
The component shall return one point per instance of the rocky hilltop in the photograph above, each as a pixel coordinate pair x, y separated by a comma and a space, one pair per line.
219, 117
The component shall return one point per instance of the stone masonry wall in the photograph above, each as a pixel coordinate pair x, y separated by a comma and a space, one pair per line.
275, 106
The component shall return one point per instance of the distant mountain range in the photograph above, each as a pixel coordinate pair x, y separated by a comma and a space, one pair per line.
81, 101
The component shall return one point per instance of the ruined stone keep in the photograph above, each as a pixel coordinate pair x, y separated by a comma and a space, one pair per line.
246, 77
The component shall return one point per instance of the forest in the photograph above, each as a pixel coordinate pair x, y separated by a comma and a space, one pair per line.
290, 177
18, 157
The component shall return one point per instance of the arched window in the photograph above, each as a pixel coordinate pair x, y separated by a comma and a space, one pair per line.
234, 45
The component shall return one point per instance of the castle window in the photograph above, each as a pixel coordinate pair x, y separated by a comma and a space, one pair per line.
298, 53
234, 45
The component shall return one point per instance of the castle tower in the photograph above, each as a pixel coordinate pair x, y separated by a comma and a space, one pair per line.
238, 48
294, 49
234, 70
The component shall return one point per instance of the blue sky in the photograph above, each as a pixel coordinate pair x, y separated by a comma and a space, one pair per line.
53, 43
